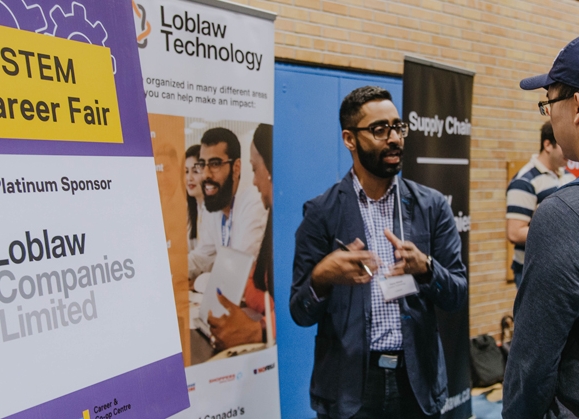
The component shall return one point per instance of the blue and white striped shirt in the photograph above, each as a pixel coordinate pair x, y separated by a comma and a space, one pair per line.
530, 186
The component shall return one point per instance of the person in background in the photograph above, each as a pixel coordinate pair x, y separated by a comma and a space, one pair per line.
542, 373
238, 327
539, 178
193, 179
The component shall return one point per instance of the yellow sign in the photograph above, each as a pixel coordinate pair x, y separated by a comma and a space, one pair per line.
56, 89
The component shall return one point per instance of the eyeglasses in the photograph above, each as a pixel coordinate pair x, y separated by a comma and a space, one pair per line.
213, 164
382, 130
545, 106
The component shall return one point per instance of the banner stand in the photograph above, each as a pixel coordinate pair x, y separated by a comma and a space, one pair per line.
437, 101
208, 71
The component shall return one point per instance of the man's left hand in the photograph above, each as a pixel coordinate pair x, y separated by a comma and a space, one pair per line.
410, 259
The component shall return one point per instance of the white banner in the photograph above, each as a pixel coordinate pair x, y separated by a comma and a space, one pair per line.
208, 73
81, 262
76, 267
207, 63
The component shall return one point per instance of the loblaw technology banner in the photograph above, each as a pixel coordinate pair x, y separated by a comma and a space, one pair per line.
208, 70
81, 263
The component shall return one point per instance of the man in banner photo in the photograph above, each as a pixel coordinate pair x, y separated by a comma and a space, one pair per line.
233, 220
242, 325
378, 351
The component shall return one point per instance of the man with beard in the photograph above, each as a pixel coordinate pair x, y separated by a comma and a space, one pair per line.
235, 218
378, 352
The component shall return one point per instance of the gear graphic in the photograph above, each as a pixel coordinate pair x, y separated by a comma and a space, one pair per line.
75, 26
17, 14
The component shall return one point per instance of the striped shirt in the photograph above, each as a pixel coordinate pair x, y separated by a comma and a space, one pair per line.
530, 186
386, 328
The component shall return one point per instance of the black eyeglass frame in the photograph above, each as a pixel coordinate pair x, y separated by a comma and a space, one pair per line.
544, 103
212, 164
401, 129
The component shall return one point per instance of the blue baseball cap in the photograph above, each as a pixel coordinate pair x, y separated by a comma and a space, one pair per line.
565, 70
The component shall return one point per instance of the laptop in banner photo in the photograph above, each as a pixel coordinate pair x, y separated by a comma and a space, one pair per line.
229, 274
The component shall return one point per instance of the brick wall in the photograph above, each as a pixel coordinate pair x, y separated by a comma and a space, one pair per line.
502, 41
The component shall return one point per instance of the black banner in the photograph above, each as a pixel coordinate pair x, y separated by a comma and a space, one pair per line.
438, 107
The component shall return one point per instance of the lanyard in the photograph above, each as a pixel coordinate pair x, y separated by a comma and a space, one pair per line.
226, 226
402, 285
399, 211
372, 228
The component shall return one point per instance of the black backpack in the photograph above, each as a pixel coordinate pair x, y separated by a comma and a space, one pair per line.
486, 361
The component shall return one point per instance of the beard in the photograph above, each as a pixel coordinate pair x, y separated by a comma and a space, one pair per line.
223, 196
373, 161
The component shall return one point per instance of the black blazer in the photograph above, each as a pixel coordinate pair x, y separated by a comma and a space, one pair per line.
343, 340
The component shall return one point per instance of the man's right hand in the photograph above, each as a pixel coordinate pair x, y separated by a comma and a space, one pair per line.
343, 268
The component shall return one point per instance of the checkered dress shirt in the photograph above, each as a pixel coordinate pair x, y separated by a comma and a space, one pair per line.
386, 332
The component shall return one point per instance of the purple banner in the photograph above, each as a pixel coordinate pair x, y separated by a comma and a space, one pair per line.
99, 22
150, 392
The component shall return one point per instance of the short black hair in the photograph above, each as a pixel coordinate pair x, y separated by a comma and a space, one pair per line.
218, 135
193, 151
547, 134
192, 211
350, 113
262, 140
563, 90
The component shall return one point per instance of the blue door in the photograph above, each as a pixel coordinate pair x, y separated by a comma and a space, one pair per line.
309, 157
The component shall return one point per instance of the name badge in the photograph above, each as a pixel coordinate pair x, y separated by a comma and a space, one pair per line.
400, 286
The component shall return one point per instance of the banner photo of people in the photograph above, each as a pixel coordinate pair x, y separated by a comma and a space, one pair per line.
81, 264
208, 71
438, 108
573, 167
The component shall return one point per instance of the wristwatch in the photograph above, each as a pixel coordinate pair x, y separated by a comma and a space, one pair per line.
429, 264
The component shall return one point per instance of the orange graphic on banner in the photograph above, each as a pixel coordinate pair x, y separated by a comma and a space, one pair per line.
168, 138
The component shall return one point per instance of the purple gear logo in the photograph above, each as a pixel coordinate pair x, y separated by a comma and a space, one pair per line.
77, 27
17, 14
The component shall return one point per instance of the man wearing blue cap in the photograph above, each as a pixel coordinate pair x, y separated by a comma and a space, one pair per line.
542, 376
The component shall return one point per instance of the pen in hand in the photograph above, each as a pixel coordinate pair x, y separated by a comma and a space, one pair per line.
343, 247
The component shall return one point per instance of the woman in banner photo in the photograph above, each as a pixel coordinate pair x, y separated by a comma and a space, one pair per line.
249, 324
193, 179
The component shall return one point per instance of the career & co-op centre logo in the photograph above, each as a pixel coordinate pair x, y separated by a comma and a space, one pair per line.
85, 414
143, 25
57, 89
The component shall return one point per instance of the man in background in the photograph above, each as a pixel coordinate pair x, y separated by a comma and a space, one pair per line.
539, 178
235, 218
542, 375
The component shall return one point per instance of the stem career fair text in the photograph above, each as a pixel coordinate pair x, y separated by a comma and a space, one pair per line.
30, 64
